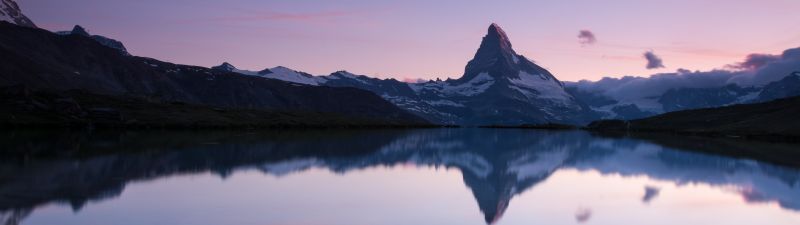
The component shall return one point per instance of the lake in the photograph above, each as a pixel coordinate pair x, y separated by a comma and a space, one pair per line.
375, 177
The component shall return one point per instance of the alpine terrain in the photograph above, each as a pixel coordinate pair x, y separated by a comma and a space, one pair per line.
498, 87
41, 71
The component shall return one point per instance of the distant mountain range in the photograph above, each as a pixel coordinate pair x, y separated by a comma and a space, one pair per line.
688, 98
498, 87
770, 77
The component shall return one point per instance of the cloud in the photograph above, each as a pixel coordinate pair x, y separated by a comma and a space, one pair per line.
586, 37
755, 61
773, 69
641, 90
653, 61
636, 89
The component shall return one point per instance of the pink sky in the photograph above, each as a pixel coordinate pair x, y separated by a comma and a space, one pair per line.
430, 39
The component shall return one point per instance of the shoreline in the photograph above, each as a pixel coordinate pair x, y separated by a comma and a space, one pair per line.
705, 134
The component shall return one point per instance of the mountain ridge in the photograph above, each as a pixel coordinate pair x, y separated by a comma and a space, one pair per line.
498, 87
108, 42
41, 60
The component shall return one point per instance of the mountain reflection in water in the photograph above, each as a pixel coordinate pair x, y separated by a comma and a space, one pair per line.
38, 168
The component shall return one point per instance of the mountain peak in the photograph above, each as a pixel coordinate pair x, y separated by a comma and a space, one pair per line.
496, 31
282, 68
495, 36
494, 56
78, 30
225, 66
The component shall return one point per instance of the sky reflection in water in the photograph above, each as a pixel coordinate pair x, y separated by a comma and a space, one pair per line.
433, 176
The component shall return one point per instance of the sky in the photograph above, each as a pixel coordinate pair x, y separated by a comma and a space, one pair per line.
424, 39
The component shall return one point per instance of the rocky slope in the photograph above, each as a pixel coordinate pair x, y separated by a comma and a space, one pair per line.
10, 12
108, 42
41, 60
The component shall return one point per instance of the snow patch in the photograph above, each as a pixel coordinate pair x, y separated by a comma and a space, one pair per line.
443, 102
544, 164
348, 75
477, 85
286, 74
469, 161
544, 87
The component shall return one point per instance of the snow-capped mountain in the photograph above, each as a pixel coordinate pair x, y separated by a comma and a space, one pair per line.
787, 87
10, 12
684, 98
685, 89
279, 73
498, 87
502, 87
695, 98
108, 42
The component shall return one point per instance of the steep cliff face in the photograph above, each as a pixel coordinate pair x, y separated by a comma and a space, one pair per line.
10, 12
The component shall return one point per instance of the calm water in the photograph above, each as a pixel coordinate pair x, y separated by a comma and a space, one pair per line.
433, 176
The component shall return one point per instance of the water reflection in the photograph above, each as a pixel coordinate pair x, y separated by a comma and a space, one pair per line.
43, 167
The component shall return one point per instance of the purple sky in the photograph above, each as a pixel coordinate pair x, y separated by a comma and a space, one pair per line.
429, 39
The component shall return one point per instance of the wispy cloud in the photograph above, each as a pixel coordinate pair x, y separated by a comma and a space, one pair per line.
653, 61
261, 16
323, 16
678, 48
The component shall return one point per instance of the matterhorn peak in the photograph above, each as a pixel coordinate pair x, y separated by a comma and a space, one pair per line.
496, 36
494, 56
